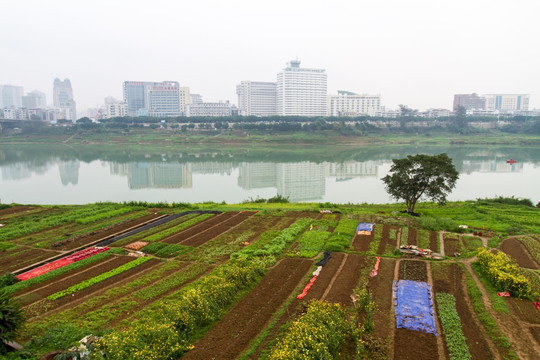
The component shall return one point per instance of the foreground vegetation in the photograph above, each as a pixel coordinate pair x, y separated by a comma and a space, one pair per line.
167, 301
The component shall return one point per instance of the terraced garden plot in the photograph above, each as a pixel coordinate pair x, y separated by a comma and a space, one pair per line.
40, 291
23, 259
230, 336
425, 345
389, 240
452, 244
413, 270
213, 231
18, 210
361, 242
380, 289
77, 241
519, 253
450, 278
44, 306
344, 282
413, 237
198, 228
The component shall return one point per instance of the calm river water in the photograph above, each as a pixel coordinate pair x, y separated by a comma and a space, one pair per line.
63, 175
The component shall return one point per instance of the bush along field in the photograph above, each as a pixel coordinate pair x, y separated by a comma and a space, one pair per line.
266, 280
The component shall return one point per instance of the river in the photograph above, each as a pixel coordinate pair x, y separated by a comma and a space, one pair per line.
64, 175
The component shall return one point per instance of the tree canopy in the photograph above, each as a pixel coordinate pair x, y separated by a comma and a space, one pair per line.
11, 319
420, 175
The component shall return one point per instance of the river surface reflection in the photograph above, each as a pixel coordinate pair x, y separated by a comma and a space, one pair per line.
44, 175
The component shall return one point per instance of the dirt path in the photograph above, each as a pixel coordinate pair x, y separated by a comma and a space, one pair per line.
522, 342
441, 239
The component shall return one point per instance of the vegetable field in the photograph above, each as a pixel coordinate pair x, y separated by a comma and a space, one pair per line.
223, 282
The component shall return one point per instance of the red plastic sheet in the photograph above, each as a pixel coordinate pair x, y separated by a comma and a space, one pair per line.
307, 287
375, 271
503, 294
83, 254
537, 304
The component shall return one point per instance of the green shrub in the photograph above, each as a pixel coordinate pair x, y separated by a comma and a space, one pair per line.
8, 279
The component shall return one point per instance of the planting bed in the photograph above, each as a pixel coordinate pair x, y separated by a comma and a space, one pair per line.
20, 260
524, 310
345, 281
41, 291
519, 253
361, 242
198, 228
433, 241
45, 306
450, 278
14, 210
380, 289
216, 230
451, 246
413, 270
77, 241
410, 344
412, 239
230, 336
386, 241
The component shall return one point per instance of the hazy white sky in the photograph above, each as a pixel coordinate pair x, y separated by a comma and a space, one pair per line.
415, 52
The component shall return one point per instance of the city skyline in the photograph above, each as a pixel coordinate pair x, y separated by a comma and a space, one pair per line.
416, 53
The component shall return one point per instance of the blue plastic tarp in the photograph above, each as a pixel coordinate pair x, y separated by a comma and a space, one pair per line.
413, 301
364, 227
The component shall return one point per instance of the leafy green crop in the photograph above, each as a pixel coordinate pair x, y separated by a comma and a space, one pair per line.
451, 324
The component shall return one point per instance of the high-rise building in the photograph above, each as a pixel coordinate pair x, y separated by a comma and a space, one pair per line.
256, 98
11, 96
63, 99
507, 102
301, 91
34, 100
346, 103
195, 98
165, 98
469, 102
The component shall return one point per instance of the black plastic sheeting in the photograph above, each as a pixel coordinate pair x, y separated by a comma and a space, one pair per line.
153, 224
327, 256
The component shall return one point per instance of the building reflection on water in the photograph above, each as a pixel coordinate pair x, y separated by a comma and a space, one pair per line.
301, 181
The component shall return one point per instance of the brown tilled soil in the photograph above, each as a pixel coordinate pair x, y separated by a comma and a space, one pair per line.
535, 332
454, 284
229, 337
518, 252
24, 259
412, 270
217, 230
433, 241
411, 239
198, 228
451, 246
346, 280
386, 241
14, 210
415, 345
76, 241
361, 242
41, 307
524, 310
380, 289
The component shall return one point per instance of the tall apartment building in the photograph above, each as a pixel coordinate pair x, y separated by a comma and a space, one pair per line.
469, 102
34, 100
63, 99
507, 102
301, 91
256, 98
165, 98
346, 103
11, 96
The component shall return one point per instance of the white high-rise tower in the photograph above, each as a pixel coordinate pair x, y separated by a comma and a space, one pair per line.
301, 91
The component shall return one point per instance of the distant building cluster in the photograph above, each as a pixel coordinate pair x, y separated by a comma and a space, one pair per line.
297, 91
492, 103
